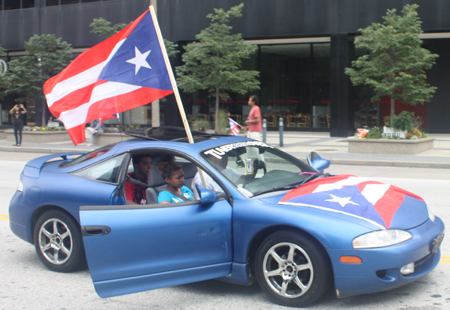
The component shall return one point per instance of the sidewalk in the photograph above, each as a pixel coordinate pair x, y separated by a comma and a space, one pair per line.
298, 144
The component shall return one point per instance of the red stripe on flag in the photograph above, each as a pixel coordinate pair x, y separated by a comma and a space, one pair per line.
311, 186
73, 99
125, 102
114, 105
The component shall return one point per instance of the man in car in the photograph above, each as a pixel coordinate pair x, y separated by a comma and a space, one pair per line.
135, 193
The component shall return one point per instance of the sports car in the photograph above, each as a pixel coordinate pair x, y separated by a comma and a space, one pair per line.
263, 216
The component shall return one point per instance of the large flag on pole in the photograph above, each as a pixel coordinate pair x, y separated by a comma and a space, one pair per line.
126, 71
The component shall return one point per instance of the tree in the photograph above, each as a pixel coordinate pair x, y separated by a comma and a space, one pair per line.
102, 28
45, 57
395, 64
213, 63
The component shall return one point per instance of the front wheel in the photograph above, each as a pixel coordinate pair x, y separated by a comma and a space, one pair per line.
58, 242
292, 269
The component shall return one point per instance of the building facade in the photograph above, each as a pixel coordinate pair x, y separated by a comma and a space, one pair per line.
303, 48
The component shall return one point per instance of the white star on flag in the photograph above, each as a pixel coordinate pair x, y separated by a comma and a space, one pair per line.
343, 201
139, 60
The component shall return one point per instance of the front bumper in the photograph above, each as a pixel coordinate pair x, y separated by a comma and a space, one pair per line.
380, 267
20, 217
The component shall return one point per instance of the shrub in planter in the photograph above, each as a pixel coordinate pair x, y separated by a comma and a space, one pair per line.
403, 121
200, 124
374, 133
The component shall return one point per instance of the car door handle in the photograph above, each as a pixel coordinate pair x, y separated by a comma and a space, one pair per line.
95, 230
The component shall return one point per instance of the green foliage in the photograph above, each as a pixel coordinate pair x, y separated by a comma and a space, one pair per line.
46, 56
403, 121
200, 123
374, 133
395, 64
102, 28
222, 122
213, 63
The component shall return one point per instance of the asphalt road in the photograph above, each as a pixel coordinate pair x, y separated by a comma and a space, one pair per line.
26, 284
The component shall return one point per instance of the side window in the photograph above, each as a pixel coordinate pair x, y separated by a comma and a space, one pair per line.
105, 171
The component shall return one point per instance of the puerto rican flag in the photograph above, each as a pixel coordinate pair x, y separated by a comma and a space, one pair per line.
126, 71
234, 127
369, 200
117, 115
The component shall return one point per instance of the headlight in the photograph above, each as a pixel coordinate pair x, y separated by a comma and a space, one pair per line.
380, 238
431, 214
20, 187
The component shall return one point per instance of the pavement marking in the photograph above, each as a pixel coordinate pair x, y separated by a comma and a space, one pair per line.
445, 259
4, 217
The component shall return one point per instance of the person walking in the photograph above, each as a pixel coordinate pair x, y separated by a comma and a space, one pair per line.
254, 123
17, 113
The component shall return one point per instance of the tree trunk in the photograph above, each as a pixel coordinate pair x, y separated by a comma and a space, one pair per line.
392, 111
216, 118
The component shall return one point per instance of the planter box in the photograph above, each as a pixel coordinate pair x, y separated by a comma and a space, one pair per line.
38, 136
61, 136
387, 146
391, 132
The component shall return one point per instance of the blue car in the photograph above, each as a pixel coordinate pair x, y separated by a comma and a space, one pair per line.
258, 214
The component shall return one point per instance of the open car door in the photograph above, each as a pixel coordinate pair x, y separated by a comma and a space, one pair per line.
136, 248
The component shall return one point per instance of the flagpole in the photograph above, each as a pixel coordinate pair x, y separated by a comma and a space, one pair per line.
171, 76
174, 85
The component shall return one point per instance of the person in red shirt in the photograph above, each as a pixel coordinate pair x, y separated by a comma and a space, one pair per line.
254, 123
136, 194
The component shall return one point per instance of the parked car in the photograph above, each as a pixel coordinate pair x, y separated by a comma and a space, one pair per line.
281, 222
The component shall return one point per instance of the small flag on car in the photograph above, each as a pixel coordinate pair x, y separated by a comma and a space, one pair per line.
234, 127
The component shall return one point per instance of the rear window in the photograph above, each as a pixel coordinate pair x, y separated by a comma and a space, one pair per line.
87, 156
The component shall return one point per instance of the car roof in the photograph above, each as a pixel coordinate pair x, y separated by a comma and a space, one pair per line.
190, 148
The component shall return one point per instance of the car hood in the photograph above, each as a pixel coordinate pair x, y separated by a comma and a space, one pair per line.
383, 205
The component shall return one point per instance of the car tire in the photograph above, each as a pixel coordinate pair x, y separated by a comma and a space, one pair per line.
58, 243
292, 269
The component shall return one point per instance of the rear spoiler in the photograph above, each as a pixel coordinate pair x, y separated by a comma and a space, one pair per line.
33, 167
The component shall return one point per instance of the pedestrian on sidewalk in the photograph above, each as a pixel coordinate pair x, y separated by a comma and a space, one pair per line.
17, 113
94, 128
254, 123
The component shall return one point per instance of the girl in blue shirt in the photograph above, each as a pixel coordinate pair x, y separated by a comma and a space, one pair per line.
175, 190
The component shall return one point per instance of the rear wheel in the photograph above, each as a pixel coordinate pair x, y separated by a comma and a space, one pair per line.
58, 242
292, 269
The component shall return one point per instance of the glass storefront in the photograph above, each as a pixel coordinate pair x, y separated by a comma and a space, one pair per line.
295, 81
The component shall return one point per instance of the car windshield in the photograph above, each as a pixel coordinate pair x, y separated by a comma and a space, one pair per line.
257, 167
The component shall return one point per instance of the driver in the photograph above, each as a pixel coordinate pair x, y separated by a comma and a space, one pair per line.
221, 165
135, 193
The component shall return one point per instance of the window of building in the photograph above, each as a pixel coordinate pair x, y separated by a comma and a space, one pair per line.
27, 4
11, 4
52, 2
69, 1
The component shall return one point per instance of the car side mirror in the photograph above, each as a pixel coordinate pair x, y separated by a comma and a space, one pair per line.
206, 196
317, 162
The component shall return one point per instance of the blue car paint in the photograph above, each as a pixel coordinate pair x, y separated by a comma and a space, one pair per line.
182, 237
24, 204
248, 218
354, 279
